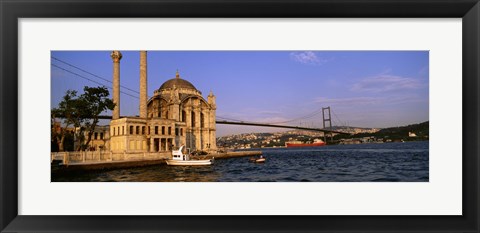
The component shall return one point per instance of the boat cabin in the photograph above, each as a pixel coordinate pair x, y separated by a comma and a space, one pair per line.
178, 155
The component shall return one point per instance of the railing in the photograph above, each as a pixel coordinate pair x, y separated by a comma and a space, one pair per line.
79, 157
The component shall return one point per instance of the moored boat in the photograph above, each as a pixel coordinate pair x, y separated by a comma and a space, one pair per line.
316, 142
260, 160
257, 160
181, 159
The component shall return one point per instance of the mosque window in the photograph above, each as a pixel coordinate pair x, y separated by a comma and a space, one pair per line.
123, 130
169, 130
143, 130
181, 131
101, 136
176, 131
95, 136
184, 116
113, 131
163, 130
131, 129
193, 119
156, 129
202, 120
137, 131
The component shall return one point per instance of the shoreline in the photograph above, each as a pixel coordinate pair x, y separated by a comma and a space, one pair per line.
58, 167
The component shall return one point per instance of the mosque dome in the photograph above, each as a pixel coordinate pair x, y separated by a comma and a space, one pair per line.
178, 83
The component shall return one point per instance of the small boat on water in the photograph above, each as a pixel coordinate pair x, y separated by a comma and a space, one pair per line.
316, 142
257, 160
181, 159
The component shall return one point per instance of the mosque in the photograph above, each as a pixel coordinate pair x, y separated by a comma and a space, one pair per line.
175, 115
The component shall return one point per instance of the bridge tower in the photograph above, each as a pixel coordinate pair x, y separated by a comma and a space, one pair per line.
325, 121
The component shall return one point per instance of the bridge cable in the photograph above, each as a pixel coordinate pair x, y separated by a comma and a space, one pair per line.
78, 75
104, 79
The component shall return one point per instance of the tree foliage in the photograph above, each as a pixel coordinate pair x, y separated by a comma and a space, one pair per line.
82, 113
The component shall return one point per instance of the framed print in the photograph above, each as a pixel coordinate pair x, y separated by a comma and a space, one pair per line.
405, 73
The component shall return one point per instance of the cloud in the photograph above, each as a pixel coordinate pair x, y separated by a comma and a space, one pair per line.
386, 83
424, 71
267, 112
350, 101
253, 116
308, 57
377, 101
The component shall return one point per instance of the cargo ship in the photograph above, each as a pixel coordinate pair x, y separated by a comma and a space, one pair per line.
316, 142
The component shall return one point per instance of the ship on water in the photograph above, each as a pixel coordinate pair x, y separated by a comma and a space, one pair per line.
316, 142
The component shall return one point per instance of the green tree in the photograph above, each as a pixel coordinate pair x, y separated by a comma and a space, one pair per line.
69, 109
96, 101
82, 112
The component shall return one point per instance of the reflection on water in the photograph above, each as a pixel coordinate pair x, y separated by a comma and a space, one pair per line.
386, 162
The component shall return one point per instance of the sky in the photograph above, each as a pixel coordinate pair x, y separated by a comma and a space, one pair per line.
375, 89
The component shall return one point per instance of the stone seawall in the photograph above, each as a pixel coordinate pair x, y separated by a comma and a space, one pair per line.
133, 160
233, 154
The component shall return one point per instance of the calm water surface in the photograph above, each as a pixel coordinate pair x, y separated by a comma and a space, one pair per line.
387, 162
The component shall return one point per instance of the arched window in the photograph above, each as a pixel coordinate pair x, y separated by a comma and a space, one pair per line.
193, 119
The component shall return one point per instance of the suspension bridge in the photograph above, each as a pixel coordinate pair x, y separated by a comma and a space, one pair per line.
326, 116
225, 122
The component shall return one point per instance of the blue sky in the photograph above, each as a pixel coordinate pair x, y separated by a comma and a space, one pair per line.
363, 88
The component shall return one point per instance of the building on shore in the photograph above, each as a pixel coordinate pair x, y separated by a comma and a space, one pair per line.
100, 140
175, 115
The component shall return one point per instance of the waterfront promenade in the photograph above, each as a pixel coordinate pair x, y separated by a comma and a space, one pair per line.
97, 160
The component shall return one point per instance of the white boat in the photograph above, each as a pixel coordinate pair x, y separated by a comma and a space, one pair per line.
260, 160
181, 159
257, 160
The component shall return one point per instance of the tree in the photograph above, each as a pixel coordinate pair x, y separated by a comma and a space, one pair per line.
95, 100
82, 112
68, 109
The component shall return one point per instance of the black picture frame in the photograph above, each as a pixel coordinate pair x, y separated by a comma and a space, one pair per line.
11, 11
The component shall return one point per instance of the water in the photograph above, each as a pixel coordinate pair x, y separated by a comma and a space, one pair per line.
387, 162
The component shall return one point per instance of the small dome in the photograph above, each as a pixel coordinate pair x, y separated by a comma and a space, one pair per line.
177, 82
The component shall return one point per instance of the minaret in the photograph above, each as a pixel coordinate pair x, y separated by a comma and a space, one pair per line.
212, 124
116, 56
143, 84
211, 99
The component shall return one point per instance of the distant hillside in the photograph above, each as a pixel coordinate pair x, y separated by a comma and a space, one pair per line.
420, 130
408, 133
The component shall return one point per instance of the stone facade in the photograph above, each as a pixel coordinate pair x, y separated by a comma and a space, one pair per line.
175, 115
179, 105
143, 84
100, 140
